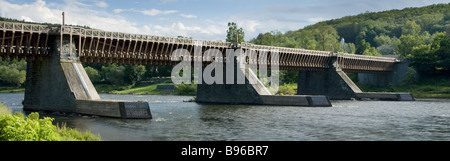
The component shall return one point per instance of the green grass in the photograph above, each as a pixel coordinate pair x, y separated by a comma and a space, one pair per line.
7, 89
128, 89
426, 88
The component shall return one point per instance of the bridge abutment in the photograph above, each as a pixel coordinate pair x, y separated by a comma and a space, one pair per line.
58, 82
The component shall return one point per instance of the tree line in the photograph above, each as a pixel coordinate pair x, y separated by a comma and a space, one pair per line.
421, 35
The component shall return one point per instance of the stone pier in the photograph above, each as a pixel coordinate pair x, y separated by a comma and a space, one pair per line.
59, 82
335, 84
252, 93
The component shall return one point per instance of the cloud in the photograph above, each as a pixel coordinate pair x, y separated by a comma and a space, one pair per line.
154, 12
188, 16
119, 10
316, 19
208, 32
36, 11
76, 13
101, 4
167, 1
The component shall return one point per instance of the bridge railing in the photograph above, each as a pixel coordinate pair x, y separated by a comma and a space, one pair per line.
22, 40
353, 62
23, 27
99, 44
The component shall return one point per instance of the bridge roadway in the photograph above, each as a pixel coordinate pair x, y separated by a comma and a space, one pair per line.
30, 41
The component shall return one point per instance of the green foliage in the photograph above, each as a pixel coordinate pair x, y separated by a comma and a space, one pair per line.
411, 28
350, 48
288, 76
113, 74
425, 87
364, 48
20, 128
233, 32
12, 72
367, 26
287, 89
408, 42
134, 73
327, 38
418, 34
411, 76
433, 58
69, 134
93, 74
17, 127
4, 110
186, 89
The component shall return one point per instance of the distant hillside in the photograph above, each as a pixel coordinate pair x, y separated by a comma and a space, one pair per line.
420, 34
366, 26
432, 19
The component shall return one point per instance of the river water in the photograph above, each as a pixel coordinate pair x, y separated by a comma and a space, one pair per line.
173, 119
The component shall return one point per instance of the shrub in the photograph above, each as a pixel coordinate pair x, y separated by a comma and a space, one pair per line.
20, 128
186, 89
411, 76
17, 127
287, 89
93, 74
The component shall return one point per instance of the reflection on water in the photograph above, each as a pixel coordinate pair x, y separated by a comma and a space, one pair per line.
173, 119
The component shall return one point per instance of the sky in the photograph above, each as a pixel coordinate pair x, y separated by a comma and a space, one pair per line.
199, 19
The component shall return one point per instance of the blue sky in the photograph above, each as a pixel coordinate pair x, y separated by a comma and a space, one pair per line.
199, 19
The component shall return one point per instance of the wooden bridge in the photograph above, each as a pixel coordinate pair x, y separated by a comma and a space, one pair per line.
57, 81
30, 41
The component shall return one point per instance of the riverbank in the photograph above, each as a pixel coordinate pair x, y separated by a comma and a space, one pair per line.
433, 89
129, 89
436, 87
17, 127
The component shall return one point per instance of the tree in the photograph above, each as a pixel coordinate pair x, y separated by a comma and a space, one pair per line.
407, 42
12, 76
327, 39
134, 73
350, 48
113, 74
233, 32
364, 48
93, 74
411, 28
433, 58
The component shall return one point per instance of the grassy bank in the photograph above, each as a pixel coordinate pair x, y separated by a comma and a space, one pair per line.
429, 88
129, 89
420, 90
17, 127
8, 89
152, 89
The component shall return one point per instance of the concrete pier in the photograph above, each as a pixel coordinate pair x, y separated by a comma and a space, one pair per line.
59, 82
256, 94
335, 84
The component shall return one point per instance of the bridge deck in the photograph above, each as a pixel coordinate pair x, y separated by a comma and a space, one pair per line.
30, 41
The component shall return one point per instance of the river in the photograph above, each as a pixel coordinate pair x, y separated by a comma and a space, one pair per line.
173, 119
